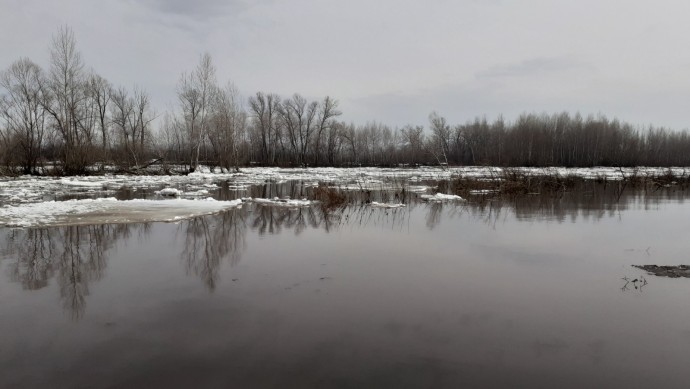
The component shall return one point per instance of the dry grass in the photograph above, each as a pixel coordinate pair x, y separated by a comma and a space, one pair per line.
513, 182
668, 179
329, 197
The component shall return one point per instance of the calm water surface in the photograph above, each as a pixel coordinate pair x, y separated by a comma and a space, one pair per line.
522, 293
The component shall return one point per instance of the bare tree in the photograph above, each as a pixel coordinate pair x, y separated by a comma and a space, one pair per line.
141, 124
63, 97
328, 109
22, 113
196, 91
100, 92
334, 142
227, 126
122, 111
131, 120
299, 118
349, 135
413, 143
264, 110
169, 142
439, 143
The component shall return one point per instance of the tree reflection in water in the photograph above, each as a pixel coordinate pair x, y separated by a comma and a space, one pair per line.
273, 220
589, 200
34, 250
76, 255
209, 240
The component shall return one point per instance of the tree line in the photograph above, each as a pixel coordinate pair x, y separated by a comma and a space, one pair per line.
74, 121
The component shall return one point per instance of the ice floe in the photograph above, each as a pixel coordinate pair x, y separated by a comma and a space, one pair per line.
480, 192
197, 193
169, 192
278, 202
84, 184
374, 204
441, 197
27, 189
108, 210
418, 188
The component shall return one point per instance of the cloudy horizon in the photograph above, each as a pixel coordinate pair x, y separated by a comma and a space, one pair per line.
391, 61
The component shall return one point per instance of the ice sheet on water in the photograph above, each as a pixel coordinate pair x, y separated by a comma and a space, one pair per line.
481, 192
32, 189
196, 193
441, 197
108, 210
285, 202
374, 204
84, 184
418, 188
169, 192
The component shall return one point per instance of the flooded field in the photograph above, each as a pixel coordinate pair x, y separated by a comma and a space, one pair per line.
530, 291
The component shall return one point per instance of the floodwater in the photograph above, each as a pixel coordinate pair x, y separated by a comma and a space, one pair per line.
525, 292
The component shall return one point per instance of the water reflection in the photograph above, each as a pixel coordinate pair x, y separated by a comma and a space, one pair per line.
274, 220
362, 215
588, 200
475, 294
77, 256
74, 255
211, 240
634, 284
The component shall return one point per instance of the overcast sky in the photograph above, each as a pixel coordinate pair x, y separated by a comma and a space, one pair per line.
392, 61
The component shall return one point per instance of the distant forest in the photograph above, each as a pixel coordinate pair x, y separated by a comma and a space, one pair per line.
71, 119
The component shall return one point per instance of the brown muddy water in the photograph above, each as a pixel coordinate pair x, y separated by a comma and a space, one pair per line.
525, 292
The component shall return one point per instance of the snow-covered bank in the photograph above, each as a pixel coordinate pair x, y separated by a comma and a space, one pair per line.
108, 210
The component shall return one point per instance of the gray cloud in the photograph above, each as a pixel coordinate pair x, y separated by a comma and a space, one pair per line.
197, 9
661, 105
389, 60
458, 103
534, 66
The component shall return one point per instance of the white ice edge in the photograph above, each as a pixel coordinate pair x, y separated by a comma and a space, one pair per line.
278, 202
374, 204
441, 197
109, 210
483, 191
171, 192
83, 184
